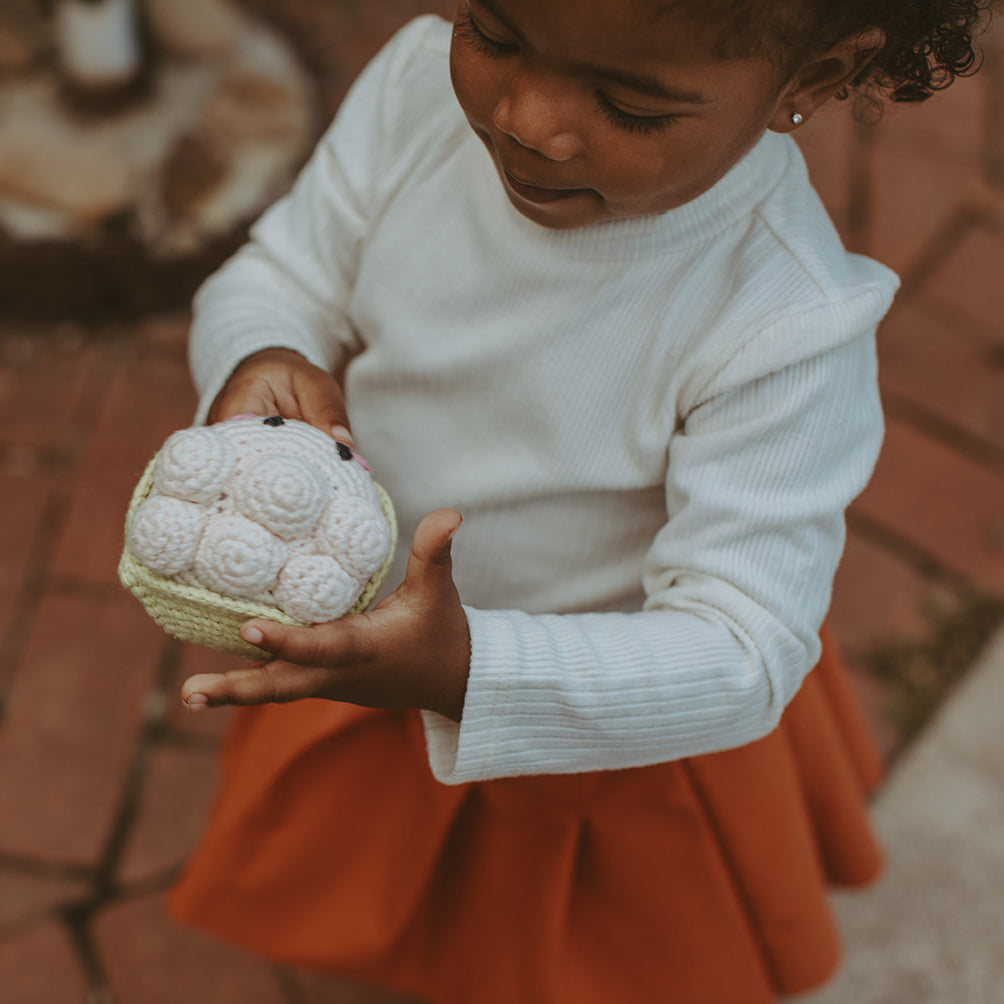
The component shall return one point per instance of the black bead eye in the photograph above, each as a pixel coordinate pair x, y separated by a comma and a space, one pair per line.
343, 451
274, 421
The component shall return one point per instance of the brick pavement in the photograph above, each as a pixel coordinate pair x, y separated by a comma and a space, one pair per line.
104, 784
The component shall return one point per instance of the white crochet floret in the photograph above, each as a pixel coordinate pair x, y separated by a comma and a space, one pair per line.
263, 510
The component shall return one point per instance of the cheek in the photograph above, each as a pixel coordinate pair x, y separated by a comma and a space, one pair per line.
636, 170
697, 150
471, 84
650, 178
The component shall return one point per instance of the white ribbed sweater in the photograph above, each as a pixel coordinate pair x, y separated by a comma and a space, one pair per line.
652, 426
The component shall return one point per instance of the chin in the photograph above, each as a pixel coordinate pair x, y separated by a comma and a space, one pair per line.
547, 221
568, 214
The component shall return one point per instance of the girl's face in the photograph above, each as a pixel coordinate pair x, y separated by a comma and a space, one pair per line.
598, 110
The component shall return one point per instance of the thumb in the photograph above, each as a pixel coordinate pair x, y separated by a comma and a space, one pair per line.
430, 563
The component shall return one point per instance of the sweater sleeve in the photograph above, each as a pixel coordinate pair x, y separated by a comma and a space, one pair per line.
737, 583
289, 286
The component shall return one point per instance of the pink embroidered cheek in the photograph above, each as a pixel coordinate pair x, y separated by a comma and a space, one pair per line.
347, 453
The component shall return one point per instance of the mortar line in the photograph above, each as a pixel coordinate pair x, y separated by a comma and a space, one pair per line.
288, 985
28, 596
960, 440
132, 787
945, 240
921, 560
948, 314
79, 916
75, 919
42, 869
56, 510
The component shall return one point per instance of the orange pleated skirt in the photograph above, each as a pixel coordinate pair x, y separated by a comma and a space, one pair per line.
702, 881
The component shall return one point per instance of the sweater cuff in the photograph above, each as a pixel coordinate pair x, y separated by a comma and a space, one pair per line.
459, 753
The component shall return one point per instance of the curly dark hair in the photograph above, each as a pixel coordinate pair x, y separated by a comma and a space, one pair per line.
928, 43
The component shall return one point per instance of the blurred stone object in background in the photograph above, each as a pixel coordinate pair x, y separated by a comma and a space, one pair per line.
196, 27
57, 185
139, 138
99, 51
19, 45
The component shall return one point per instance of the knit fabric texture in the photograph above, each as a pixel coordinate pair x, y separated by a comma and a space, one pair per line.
254, 518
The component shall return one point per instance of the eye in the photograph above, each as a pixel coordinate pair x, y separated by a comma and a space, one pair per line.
343, 451
469, 30
628, 122
274, 420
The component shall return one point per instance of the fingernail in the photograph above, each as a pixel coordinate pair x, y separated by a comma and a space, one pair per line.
245, 414
197, 702
252, 634
339, 432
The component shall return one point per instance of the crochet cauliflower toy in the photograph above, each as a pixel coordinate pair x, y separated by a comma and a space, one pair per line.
254, 518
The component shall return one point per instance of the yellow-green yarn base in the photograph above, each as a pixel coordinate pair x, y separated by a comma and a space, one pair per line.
203, 617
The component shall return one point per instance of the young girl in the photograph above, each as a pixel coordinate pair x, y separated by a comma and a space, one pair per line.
586, 297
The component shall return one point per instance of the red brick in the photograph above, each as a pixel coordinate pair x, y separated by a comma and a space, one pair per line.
26, 897
829, 140
878, 597
912, 198
993, 73
149, 397
322, 988
42, 381
942, 502
24, 504
945, 368
970, 279
177, 793
71, 726
949, 126
167, 333
40, 967
150, 959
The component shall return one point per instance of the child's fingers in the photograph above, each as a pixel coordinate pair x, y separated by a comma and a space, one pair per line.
304, 660
430, 564
273, 682
254, 400
321, 402
336, 643
434, 534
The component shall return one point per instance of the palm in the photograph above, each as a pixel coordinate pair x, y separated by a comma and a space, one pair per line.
411, 651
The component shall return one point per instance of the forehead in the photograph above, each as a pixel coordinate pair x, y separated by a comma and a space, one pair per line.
625, 33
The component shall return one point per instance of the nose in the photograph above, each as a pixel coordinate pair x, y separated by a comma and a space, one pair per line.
535, 113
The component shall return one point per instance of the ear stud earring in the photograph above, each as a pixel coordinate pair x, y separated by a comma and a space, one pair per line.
796, 118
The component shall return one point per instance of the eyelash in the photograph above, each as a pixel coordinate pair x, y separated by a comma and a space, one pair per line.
644, 124
469, 31
467, 28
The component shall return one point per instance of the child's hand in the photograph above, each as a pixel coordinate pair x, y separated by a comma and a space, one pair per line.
411, 651
282, 382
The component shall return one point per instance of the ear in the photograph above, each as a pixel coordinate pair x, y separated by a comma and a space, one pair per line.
819, 79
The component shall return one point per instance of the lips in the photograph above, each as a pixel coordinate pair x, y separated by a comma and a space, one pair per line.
537, 193
524, 190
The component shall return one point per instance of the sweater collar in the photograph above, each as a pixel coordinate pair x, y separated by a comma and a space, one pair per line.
732, 199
